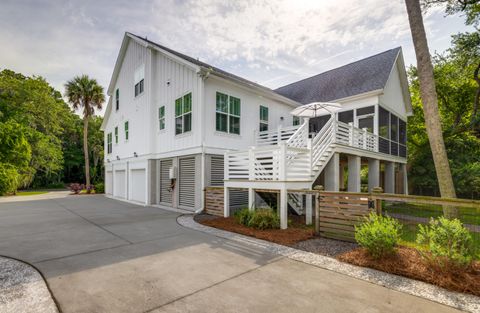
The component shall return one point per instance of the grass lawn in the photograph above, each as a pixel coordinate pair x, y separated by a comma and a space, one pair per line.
30, 193
467, 215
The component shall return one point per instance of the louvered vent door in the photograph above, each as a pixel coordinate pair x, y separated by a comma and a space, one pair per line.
165, 194
216, 167
187, 182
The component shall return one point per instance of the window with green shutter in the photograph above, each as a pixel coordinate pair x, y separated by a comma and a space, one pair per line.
227, 115
296, 120
263, 118
161, 117
126, 130
109, 143
116, 134
183, 114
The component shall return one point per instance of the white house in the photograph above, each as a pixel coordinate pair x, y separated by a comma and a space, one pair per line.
171, 121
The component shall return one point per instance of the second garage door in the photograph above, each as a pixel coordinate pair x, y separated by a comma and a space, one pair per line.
119, 184
137, 185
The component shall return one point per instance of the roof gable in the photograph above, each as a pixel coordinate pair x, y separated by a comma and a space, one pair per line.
356, 78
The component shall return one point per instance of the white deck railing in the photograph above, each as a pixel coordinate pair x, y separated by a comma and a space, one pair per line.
288, 154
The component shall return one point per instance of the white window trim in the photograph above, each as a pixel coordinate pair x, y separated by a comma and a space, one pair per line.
164, 118
228, 114
263, 121
182, 115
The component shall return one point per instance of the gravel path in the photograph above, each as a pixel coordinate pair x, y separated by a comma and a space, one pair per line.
325, 246
22, 289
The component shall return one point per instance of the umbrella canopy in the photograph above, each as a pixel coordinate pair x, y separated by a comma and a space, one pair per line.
315, 109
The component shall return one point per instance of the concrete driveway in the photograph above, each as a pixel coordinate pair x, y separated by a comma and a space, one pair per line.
103, 255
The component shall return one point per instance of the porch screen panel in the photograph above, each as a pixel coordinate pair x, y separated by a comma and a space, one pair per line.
187, 182
346, 117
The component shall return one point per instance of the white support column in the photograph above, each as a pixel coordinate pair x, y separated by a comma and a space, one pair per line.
403, 169
373, 174
282, 166
332, 173
226, 202
251, 199
389, 177
308, 209
283, 209
354, 165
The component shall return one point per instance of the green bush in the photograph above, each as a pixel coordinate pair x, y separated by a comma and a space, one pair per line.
100, 188
447, 243
258, 219
9, 179
243, 216
378, 234
264, 219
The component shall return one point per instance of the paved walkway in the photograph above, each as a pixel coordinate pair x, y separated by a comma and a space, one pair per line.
103, 255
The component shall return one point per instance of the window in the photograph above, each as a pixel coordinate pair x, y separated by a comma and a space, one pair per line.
139, 79
109, 143
263, 118
161, 117
183, 114
402, 132
227, 118
296, 120
116, 134
393, 127
117, 99
126, 130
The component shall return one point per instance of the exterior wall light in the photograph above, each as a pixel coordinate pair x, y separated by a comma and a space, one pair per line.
118, 158
135, 154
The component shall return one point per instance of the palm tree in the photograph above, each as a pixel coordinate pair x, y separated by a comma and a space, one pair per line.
84, 92
428, 95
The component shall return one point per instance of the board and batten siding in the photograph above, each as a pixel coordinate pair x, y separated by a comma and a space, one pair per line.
249, 115
172, 81
132, 109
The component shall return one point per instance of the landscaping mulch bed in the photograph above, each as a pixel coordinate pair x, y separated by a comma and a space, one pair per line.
409, 263
297, 231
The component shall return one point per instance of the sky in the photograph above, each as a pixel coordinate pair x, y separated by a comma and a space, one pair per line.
272, 42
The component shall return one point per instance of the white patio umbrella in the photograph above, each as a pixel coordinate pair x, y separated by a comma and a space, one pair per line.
315, 109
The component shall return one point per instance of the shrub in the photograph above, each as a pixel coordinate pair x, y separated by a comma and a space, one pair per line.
243, 216
90, 188
100, 188
9, 179
447, 243
264, 219
76, 188
258, 219
378, 234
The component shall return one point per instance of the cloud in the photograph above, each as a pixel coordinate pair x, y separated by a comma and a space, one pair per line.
271, 42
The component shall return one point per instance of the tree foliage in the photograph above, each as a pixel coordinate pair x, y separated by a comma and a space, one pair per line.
40, 135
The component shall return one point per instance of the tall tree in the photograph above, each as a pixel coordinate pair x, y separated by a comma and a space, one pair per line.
85, 93
428, 95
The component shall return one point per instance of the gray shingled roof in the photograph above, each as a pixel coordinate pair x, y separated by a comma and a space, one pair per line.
352, 79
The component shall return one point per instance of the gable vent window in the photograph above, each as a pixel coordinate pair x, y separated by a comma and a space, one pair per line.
263, 118
161, 117
126, 131
139, 80
183, 114
109, 143
117, 99
227, 117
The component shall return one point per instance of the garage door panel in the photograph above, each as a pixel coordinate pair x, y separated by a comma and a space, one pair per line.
119, 184
138, 185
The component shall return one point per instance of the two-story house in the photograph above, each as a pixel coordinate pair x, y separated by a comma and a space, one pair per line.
171, 121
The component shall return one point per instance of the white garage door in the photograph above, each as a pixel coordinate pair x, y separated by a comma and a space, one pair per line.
108, 183
119, 184
137, 185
